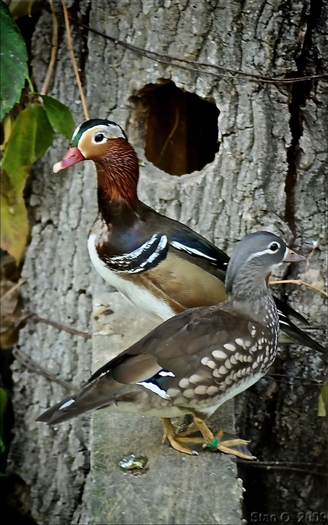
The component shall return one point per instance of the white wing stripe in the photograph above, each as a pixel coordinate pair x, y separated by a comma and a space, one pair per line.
155, 388
191, 251
67, 404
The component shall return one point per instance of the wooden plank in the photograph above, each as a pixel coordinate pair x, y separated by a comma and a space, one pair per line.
174, 488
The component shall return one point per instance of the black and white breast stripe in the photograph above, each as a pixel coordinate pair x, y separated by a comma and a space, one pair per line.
147, 256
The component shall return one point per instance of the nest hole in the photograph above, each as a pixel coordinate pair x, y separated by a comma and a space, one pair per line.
179, 130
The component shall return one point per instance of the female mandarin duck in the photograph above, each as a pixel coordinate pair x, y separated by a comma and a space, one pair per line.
161, 265
197, 360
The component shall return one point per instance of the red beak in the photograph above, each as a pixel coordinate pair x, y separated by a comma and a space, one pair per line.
71, 157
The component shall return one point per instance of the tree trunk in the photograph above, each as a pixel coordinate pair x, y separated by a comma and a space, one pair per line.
268, 173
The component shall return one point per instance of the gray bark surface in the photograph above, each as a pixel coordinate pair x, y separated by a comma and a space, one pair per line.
269, 173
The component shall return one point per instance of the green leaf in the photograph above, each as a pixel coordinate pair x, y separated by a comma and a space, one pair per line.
323, 401
31, 136
14, 226
20, 8
13, 61
44, 134
59, 116
19, 153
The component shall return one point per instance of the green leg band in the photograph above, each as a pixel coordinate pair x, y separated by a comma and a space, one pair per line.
214, 444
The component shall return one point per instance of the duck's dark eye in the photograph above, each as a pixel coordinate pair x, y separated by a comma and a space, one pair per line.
274, 247
99, 137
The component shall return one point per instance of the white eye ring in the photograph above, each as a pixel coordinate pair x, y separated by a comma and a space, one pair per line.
98, 138
274, 246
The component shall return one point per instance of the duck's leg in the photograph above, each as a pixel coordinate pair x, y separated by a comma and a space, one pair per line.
236, 446
170, 436
182, 436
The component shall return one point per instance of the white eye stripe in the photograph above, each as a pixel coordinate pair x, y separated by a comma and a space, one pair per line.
110, 131
263, 252
95, 130
114, 131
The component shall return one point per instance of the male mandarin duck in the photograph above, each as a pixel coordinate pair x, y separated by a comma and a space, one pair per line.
161, 265
195, 361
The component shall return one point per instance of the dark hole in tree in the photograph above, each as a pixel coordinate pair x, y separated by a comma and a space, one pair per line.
181, 128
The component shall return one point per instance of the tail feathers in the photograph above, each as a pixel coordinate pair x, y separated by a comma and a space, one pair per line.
60, 412
90, 398
285, 311
290, 333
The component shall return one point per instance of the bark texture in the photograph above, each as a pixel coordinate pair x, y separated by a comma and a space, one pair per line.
269, 173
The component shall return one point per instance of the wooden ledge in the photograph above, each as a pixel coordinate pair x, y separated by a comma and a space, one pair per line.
173, 488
